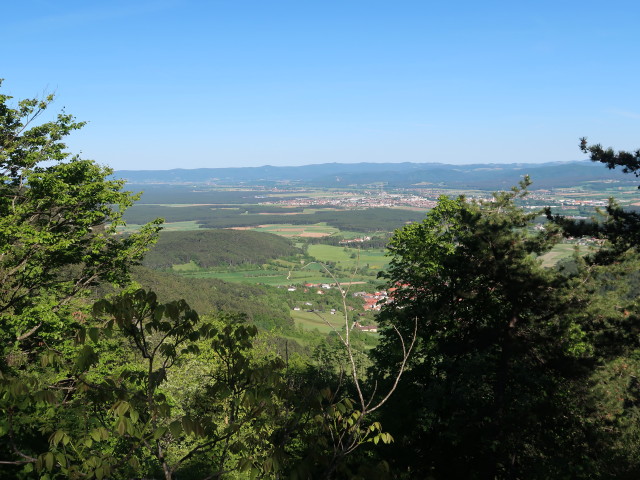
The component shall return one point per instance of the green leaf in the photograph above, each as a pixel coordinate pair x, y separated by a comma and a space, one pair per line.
159, 432
188, 425
121, 408
175, 428
244, 464
93, 334
55, 438
86, 358
121, 427
62, 459
134, 415
49, 461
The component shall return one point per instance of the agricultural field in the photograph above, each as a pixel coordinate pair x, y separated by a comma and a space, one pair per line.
315, 228
349, 258
311, 273
324, 322
342, 262
290, 230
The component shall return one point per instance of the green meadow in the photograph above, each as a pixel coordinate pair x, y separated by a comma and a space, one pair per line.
323, 321
349, 257
310, 273
562, 251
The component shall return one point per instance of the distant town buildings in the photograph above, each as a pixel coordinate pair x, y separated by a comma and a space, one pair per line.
373, 301
365, 328
354, 240
428, 198
348, 201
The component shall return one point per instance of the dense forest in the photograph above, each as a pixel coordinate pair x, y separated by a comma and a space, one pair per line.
212, 248
366, 221
488, 365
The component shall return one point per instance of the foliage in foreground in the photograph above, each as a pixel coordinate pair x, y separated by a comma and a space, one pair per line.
519, 371
132, 387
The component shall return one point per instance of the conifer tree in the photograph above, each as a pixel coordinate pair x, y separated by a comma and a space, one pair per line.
488, 391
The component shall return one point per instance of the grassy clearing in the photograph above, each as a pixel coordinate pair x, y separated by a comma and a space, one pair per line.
310, 274
300, 339
324, 322
560, 252
186, 267
342, 256
289, 230
286, 264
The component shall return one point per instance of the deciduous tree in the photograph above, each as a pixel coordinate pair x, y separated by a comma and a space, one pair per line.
58, 215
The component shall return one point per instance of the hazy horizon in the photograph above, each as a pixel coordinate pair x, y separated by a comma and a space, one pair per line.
505, 164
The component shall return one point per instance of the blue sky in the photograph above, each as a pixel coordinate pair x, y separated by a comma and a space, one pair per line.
188, 84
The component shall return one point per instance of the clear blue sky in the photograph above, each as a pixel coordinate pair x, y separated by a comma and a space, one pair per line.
188, 84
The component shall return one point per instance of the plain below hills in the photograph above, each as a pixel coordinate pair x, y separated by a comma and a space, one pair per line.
396, 175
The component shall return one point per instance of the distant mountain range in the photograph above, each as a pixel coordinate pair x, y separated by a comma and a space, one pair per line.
392, 175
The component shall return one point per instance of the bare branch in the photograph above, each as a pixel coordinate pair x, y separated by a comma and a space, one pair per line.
346, 440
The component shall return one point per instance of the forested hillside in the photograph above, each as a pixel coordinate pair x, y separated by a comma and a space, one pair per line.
212, 248
208, 295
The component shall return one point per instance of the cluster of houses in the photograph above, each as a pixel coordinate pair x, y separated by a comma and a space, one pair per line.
373, 301
354, 240
365, 328
320, 286
333, 311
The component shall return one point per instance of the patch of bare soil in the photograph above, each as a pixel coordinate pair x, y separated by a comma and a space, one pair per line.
314, 234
